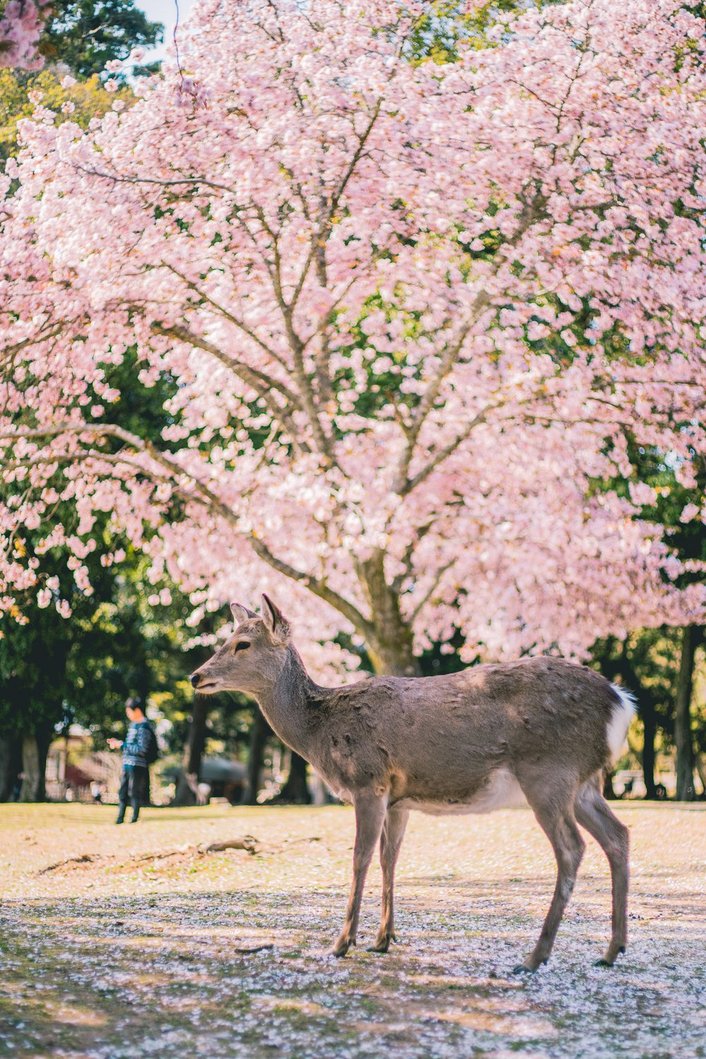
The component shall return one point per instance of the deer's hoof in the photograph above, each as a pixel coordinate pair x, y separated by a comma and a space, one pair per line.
529, 966
382, 944
341, 947
610, 957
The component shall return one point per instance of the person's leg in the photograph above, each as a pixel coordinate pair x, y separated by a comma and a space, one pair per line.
137, 792
123, 794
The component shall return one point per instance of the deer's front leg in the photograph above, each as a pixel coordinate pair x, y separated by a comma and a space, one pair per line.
370, 811
390, 843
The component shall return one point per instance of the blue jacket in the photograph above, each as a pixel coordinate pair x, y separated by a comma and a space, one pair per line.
137, 743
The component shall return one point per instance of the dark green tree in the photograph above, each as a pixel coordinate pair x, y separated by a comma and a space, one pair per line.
54, 669
85, 34
659, 664
83, 667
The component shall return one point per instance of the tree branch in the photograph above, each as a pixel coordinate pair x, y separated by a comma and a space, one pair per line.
257, 380
189, 181
316, 585
210, 500
530, 213
235, 320
448, 449
432, 589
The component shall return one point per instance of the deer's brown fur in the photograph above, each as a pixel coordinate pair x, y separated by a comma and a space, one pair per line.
537, 730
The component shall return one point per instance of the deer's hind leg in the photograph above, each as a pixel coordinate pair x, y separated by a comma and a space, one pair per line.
555, 815
390, 842
593, 813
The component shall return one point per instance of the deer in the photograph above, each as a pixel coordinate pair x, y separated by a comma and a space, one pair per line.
538, 731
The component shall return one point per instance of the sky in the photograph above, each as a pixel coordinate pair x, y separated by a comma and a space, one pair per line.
164, 11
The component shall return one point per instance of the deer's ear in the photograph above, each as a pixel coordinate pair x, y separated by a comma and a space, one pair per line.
274, 619
241, 613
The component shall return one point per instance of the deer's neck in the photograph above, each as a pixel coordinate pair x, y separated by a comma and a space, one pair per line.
292, 705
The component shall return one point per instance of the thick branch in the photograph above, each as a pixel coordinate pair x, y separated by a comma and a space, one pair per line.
235, 320
253, 377
448, 359
211, 501
315, 585
262, 384
357, 155
432, 589
188, 181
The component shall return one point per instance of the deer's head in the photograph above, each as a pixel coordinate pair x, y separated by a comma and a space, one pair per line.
252, 659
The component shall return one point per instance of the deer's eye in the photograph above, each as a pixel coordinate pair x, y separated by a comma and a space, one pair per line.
241, 646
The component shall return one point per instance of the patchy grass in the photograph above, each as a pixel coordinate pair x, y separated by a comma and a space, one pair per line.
224, 954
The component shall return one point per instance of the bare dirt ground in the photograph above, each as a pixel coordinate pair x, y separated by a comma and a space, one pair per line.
119, 953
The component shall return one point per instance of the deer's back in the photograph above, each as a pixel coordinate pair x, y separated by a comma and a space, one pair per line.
456, 743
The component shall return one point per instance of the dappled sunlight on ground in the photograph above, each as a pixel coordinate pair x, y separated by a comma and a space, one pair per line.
225, 954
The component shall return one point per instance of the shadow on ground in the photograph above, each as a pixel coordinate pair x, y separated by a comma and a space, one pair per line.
245, 973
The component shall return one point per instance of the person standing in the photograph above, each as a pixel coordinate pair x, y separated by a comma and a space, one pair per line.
139, 751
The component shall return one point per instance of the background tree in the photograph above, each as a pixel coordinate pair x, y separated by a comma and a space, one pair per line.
648, 661
50, 669
79, 38
40, 656
81, 101
413, 313
86, 34
660, 664
406, 319
80, 34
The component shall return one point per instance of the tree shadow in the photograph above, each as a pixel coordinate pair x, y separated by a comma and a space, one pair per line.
246, 973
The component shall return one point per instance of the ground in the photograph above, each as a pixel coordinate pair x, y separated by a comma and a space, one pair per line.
224, 954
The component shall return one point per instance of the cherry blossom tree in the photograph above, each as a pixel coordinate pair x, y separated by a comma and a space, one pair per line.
20, 28
415, 313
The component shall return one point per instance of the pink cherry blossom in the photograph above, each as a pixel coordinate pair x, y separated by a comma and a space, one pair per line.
20, 29
689, 513
413, 312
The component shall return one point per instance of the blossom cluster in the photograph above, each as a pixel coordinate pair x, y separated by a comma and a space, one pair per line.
20, 29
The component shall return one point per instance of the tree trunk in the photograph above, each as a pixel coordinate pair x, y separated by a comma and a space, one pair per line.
395, 659
193, 753
43, 735
7, 780
389, 642
683, 739
701, 769
10, 765
649, 721
33, 782
259, 735
296, 790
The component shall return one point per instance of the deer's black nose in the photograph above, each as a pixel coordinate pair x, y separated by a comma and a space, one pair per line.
195, 680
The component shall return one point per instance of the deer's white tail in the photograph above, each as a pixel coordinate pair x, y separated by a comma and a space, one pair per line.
617, 728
